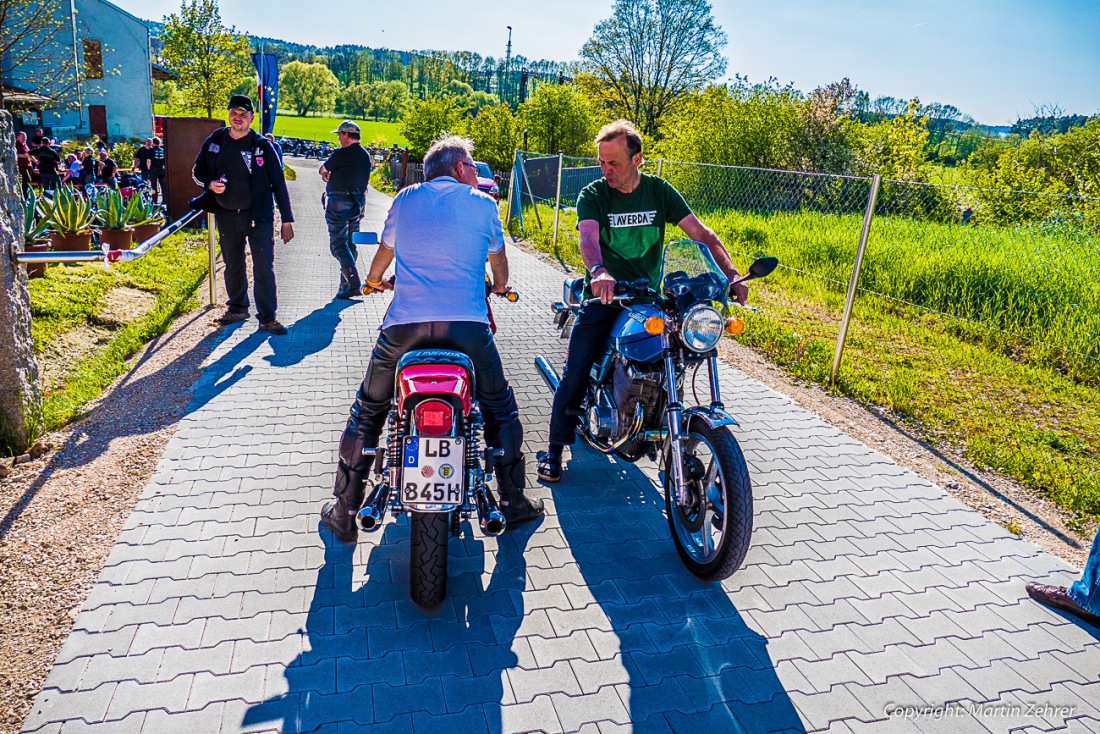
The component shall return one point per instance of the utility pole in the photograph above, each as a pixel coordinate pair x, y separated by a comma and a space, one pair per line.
507, 65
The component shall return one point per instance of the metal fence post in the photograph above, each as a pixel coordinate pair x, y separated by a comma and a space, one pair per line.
213, 258
660, 161
853, 283
557, 201
511, 190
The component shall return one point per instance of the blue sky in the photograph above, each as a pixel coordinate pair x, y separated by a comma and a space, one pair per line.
993, 59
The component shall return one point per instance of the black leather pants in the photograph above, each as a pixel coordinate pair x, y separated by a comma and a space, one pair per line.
372, 402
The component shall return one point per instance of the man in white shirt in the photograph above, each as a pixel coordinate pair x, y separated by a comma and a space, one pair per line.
440, 233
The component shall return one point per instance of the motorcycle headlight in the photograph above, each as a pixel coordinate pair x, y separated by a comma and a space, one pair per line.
702, 328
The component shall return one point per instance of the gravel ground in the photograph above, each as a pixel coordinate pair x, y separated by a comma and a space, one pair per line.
63, 510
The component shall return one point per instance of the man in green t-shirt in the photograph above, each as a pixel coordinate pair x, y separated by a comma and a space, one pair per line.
622, 219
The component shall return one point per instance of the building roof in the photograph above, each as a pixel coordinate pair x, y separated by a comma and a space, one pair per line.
160, 73
14, 94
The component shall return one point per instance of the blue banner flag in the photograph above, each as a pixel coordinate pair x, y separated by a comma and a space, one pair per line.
267, 91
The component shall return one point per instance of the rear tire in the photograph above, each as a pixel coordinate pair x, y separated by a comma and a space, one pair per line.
713, 534
428, 557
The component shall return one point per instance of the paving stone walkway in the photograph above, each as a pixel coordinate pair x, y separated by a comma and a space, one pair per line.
870, 601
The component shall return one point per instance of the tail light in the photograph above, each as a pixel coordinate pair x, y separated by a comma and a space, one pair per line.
433, 417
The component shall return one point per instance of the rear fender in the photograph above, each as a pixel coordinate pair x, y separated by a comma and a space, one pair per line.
434, 379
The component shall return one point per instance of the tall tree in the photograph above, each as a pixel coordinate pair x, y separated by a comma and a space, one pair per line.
558, 118
426, 120
649, 53
308, 87
33, 36
208, 58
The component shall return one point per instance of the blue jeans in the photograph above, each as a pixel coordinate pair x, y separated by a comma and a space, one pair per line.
342, 214
234, 227
587, 343
1086, 590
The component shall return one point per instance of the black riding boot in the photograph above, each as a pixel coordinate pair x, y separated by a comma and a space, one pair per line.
351, 478
517, 507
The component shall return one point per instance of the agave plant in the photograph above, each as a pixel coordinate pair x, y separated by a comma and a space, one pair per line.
145, 212
68, 213
35, 225
112, 211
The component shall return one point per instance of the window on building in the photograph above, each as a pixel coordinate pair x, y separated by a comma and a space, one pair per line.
93, 59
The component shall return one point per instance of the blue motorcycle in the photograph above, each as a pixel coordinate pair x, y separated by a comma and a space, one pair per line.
633, 406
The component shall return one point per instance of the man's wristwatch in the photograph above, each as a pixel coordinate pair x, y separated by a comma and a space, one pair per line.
592, 270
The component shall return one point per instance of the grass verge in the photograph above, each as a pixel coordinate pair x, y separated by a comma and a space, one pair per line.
950, 382
70, 296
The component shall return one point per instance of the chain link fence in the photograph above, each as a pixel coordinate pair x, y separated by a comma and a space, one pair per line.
1024, 265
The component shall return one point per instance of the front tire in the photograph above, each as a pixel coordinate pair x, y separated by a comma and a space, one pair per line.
428, 557
713, 530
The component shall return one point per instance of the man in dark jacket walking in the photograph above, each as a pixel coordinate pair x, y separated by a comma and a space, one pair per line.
243, 171
347, 175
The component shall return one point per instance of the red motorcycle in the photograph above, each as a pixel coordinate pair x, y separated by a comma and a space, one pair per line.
435, 466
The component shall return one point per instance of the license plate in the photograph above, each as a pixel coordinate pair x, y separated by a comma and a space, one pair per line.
431, 473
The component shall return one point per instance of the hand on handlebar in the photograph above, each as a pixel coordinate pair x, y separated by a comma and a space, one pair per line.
371, 287
603, 287
740, 292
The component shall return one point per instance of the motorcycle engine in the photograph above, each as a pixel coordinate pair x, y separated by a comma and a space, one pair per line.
614, 414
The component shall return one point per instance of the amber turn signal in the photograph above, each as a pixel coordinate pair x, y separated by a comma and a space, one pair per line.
654, 325
511, 296
734, 326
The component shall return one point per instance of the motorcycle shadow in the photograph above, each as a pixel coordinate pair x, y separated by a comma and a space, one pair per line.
688, 657
373, 659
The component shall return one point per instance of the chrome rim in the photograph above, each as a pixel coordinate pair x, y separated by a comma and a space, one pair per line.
701, 521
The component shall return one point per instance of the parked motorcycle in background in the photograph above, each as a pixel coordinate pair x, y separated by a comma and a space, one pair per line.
633, 406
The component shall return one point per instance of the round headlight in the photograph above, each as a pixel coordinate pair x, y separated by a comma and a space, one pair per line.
702, 328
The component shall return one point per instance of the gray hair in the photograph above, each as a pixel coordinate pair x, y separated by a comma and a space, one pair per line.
445, 154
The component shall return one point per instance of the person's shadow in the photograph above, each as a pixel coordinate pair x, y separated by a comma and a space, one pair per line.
691, 659
372, 657
308, 335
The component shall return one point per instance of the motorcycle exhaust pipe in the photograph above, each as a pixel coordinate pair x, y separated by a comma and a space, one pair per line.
548, 373
489, 516
372, 514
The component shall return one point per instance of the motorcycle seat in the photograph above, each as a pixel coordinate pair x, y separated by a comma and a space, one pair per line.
572, 291
437, 356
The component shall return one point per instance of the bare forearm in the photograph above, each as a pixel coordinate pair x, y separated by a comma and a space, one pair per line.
499, 268
378, 265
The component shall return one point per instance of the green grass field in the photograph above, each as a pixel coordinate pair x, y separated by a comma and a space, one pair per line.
318, 128
1022, 405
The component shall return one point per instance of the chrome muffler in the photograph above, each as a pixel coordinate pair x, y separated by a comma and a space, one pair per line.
548, 373
489, 516
373, 512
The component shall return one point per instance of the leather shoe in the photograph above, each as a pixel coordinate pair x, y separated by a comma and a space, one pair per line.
273, 327
231, 317
1059, 598
549, 466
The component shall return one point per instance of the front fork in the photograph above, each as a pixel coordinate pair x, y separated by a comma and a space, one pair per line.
675, 413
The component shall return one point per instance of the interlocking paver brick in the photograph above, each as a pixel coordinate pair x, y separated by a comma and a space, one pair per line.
865, 585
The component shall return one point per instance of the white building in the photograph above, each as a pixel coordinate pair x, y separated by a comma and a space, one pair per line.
112, 94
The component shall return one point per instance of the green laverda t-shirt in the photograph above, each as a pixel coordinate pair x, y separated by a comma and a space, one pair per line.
632, 226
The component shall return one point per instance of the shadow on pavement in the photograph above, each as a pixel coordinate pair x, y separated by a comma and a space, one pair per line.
373, 658
692, 661
308, 335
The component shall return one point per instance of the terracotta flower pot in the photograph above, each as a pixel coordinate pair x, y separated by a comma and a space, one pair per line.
71, 242
143, 232
38, 269
117, 239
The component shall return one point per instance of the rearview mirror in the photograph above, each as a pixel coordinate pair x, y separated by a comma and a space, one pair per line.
763, 267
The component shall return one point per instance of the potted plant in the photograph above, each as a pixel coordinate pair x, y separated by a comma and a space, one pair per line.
113, 216
71, 219
148, 218
35, 233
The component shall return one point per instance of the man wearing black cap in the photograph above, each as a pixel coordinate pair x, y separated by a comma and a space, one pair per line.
244, 173
347, 175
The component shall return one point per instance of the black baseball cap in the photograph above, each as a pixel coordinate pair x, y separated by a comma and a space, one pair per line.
240, 102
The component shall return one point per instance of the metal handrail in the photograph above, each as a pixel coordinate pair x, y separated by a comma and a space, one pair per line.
108, 255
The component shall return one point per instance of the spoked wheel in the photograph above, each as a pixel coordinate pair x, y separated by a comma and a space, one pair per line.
712, 528
428, 557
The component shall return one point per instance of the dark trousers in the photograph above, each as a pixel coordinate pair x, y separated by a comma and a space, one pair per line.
586, 344
156, 180
372, 402
25, 179
343, 212
234, 227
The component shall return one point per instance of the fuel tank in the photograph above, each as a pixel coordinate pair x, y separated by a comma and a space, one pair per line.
630, 338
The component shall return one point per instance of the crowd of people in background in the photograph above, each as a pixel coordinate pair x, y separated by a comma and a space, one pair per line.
40, 160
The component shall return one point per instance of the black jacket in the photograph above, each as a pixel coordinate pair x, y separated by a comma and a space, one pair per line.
268, 184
